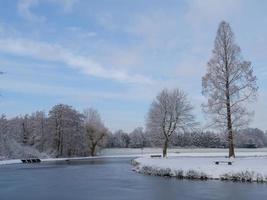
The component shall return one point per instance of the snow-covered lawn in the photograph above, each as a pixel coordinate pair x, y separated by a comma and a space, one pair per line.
248, 166
138, 151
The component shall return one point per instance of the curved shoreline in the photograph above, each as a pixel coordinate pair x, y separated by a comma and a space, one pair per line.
246, 169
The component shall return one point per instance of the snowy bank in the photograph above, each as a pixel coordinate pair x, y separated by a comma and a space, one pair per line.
9, 162
18, 161
245, 168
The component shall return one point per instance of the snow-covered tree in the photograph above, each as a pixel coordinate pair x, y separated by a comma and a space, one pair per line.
169, 113
25, 123
15, 130
39, 129
65, 126
3, 134
137, 138
95, 131
251, 137
121, 139
183, 139
206, 139
228, 84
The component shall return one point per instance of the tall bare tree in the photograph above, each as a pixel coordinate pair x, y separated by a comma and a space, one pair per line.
170, 112
228, 84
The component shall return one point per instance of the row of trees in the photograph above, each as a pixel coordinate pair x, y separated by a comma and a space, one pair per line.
66, 132
63, 132
248, 137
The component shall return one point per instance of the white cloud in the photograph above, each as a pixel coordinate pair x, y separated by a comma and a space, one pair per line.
67, 5
203, 12
24, 9
80, 32
56, 53
107, 20
54, 90
157, 28
191, 66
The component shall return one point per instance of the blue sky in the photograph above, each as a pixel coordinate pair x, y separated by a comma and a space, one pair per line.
116, 55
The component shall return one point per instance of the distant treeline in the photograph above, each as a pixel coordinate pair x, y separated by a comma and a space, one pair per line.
246, 138
65, 132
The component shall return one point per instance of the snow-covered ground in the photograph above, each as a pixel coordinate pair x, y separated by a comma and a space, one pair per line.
9, 162
247, 166
138, 151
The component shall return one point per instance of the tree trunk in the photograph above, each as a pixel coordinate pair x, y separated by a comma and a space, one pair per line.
230, 130
231, 142
229, 119
25, 138
165, 148
61, 144
58, 139
42, 136
93, 149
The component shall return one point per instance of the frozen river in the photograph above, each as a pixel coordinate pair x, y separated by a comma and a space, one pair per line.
113, 179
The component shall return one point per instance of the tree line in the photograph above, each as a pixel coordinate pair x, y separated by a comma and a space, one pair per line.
65, 132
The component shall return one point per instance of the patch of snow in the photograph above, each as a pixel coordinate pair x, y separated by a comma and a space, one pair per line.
243, 168
88, 158
8, 162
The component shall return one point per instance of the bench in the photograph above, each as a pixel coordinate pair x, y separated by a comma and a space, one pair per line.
226, 162
31, 160
155, 156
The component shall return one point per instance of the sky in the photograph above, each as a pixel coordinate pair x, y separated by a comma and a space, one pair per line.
116, 55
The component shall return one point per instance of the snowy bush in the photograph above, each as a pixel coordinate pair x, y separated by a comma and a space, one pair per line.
155, 171
179, 174
244, 176
164, 172
15, 150
134, 162
192, 174
261, 178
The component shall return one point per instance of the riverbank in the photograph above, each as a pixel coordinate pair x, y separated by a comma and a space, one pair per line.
18, 161
246, 167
